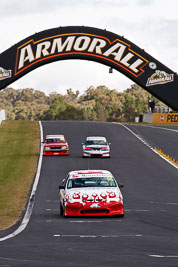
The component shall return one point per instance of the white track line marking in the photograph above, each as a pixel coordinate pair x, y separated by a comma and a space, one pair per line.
21, 260
145, 210
51, 209
100, 236
52, 201
157, 127
66, 221
162, 256
144, 142
164, 203
95, 221
85, 221
30, 205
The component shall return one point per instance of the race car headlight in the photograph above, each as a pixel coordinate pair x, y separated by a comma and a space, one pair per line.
63, 147
104, 149
116, 199
88, 148
47, 148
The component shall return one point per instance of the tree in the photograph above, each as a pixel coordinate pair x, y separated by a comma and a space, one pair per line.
98, 103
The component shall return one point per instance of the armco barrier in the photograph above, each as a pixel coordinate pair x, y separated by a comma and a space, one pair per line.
160, 118
167, 118
2, 115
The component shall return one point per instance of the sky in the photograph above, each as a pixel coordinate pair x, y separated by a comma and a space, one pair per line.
150, 24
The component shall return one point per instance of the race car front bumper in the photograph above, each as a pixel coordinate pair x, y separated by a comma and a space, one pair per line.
96, 154
100, 209
56, 153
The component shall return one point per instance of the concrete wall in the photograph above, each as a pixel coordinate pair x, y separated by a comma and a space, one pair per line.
148, 117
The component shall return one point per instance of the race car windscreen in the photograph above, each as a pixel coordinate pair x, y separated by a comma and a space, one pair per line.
96, 142
55, 140
91, 182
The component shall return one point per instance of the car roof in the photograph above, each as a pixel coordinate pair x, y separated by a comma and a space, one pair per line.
89, 173
95, 138
55, 136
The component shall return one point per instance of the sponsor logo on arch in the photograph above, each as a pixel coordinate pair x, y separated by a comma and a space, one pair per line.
5, 74
160, 77
118, 52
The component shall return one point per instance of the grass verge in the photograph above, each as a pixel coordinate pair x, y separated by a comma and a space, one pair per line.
19, 151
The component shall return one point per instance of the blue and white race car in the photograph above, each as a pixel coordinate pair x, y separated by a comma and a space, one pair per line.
96, 146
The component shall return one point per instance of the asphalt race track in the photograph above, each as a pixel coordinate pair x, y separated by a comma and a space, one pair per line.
146, 236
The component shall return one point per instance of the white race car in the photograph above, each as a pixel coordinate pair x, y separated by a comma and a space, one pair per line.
90, 193
96, 146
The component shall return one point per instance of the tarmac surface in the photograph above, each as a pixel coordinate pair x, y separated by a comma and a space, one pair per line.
146, 236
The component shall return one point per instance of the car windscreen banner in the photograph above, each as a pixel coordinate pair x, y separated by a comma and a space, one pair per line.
87, 43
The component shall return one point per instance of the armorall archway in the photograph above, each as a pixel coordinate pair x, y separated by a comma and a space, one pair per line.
79, 42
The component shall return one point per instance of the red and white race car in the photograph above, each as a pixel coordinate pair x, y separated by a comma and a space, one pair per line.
55, 145
90, 193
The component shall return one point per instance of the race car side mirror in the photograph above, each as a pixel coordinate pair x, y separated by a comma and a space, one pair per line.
61, 187
121, 185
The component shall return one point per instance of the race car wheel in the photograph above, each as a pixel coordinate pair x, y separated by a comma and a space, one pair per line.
64, 213
61, 210
120, 215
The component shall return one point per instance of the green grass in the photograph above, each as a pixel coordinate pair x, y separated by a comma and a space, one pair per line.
19, 151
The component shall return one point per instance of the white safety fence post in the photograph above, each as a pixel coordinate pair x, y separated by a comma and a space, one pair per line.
2, 115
